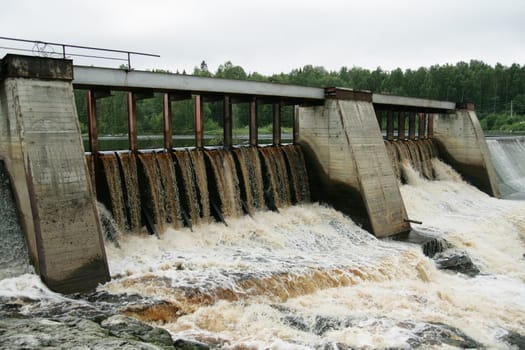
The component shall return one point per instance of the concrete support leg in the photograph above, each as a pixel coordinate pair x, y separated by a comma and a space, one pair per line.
462, 145
347, 162
41, 145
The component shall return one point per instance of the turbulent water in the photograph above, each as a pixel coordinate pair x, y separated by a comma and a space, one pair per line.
508, 157
308, 277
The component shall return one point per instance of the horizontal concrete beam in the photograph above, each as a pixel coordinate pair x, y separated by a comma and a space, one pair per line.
391, 100
118, 79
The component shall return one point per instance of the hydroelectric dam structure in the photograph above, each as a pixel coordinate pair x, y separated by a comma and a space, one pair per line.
347, 151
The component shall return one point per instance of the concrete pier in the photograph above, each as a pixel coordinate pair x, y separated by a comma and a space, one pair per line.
347, 162
462, 145
41, 146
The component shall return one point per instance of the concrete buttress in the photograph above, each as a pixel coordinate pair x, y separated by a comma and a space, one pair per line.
41, 145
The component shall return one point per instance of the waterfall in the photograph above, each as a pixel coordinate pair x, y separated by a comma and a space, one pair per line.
186, 187
251, 182
508, 157
418, 153
276, 187
226, 181
14, 257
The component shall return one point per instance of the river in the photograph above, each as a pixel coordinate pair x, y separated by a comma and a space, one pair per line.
309, 278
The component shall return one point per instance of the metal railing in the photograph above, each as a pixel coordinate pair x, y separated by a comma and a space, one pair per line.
49, 49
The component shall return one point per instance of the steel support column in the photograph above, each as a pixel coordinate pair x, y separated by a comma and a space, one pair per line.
92, 121
401, 126
199, 125
422, 126
253, 123
390, 126
430, 125
276, 123
227, 122
132, 122
167, 121
295, 124
412, 126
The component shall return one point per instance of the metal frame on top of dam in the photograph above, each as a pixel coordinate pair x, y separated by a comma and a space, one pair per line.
338, 130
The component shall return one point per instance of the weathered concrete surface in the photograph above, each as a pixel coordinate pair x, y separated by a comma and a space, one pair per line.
462, 145
41, 145
348, 165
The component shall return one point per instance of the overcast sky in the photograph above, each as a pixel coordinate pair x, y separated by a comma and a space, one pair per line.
273, 36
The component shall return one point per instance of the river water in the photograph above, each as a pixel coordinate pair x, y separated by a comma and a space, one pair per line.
308, 277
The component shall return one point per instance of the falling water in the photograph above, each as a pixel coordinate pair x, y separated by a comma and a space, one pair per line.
226, 181
276, 185
508, 157
150, 189
14, 258
251, 182
419, 153
310, 278
128, 164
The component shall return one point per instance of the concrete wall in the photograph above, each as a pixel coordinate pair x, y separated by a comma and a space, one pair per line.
348, 165
462, 145
41, 145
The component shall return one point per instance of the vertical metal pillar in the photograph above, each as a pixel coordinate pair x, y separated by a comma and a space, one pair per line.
295, 124
276, 123
412, 126
422, 126
430, 125
167, 121
390, 126
401, 126
132, 122
92, 121
253, 123
227, 122
199, 132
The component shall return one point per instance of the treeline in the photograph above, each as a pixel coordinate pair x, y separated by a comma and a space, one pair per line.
498, 93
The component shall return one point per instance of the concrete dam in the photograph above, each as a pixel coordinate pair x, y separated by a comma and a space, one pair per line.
346, 151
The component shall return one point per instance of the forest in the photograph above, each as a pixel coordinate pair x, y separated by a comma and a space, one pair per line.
498, 93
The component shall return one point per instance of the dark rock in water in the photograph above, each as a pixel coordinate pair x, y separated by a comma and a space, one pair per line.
439, 333
181, 344
430, 245
459, 262
515, 339
129, 328
39, 333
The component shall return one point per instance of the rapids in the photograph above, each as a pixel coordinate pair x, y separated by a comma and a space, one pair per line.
308, 277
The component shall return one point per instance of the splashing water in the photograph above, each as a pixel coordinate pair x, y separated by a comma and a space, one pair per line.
308, 277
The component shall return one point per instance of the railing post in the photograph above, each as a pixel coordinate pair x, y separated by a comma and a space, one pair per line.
276, 123
401, 126
253, 123
199, 122
227, 122
412, 126
132, 122
390, 126
167, 121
